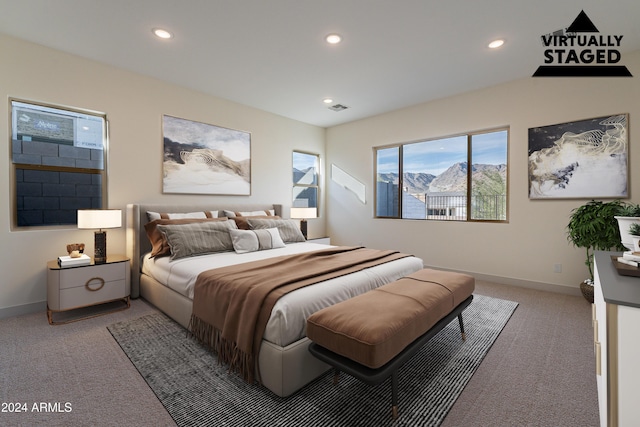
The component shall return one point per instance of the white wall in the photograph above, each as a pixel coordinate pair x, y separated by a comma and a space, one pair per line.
525, 250
134, 105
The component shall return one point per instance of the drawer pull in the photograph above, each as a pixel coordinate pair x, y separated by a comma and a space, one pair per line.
89, 288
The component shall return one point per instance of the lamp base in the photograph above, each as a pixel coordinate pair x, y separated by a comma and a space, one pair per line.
303, 227
100, 255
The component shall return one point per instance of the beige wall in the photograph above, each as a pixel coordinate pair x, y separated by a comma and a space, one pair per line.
525, 250
134, 105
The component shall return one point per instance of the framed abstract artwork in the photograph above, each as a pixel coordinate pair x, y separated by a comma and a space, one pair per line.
200, 158
585, 159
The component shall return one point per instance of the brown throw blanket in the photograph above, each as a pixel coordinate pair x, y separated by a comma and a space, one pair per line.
231, 305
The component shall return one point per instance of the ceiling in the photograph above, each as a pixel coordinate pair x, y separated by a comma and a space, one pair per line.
271, 54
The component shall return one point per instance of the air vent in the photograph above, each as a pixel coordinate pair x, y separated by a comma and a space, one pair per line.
338, 107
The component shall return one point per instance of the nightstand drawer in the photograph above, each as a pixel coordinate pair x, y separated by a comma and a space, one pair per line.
79, 276
93, 293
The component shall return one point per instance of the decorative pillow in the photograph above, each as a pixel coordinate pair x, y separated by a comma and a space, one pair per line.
242, 222
288, 228
255, 240
159, 245
266, 212
201, 214
198, 238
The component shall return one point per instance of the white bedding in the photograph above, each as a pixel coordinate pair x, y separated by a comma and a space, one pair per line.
288, 318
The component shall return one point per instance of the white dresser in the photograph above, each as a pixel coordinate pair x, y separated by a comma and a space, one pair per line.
616, 343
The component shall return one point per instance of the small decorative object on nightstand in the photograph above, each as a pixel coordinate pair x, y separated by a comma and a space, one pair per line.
100, 218
303, 214
90, 285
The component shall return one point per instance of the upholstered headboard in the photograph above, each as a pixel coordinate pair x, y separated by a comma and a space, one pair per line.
136, 238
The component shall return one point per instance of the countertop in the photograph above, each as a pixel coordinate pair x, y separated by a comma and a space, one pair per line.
617, 289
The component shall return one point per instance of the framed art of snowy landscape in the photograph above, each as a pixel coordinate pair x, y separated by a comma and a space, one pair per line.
584, 159
205, 159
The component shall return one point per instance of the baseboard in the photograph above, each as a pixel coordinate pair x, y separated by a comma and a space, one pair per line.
19, 310
539, 286
561, 289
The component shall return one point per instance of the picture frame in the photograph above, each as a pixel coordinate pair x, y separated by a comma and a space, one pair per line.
201, 158
585, 159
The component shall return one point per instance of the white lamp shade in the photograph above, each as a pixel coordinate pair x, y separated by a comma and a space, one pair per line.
102, 218
304, 213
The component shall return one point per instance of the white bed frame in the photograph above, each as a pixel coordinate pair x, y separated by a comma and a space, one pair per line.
283, 370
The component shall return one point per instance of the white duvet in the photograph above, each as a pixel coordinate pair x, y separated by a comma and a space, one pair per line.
288, 317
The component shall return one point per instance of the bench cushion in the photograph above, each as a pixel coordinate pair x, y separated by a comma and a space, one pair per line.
375, 326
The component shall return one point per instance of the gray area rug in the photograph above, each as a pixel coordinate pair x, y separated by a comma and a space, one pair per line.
197, 391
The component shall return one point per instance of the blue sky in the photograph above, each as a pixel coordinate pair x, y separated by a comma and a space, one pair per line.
436, 156
303, 161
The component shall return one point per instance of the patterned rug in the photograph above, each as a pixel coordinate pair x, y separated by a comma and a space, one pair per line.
197, 391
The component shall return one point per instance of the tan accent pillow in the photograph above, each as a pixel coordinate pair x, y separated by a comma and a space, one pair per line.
233, 214
159, 245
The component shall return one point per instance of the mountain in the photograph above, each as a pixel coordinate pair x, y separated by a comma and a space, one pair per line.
452, 180
488, 179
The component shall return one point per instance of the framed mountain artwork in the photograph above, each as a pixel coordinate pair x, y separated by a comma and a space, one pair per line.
585, 159
200, 158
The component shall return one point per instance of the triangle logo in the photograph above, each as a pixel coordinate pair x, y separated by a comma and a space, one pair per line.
581, 50
582, 24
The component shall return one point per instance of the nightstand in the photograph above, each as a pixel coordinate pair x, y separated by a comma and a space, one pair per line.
320, 240
74, 288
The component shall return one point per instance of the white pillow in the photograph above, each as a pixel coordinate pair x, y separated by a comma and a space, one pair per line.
187, 215
255, 240
156, 215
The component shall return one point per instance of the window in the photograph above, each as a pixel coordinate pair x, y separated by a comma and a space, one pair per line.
58, 163
432, 180
305, 180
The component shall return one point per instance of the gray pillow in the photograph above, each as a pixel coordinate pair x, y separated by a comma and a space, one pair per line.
255, 240
288, 228
198, 238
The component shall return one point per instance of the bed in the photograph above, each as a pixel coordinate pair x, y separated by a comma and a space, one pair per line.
284, 362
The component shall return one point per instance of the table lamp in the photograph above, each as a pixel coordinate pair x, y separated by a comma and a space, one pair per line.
302, 214
100, 218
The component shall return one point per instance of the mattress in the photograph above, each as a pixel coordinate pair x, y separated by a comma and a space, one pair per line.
288, 317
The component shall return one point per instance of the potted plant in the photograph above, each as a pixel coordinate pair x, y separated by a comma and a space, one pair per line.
593, 226
629, 214
634, 231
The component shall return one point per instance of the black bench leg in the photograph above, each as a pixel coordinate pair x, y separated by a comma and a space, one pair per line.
394, 394
464, 336
336, 376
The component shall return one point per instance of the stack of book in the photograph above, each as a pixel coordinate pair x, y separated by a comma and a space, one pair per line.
630, 258
67, 261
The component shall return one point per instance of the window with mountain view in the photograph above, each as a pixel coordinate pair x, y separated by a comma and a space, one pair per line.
432, 179
305, 180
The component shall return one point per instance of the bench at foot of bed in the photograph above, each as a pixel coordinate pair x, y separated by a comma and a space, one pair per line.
372, 335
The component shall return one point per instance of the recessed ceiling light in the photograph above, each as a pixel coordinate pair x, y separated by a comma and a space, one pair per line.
496, 44
327, 100
333, 39
163, 34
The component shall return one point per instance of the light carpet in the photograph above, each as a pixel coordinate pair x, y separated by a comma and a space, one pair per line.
197, 391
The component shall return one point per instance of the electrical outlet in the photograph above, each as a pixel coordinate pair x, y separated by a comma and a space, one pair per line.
557, 268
